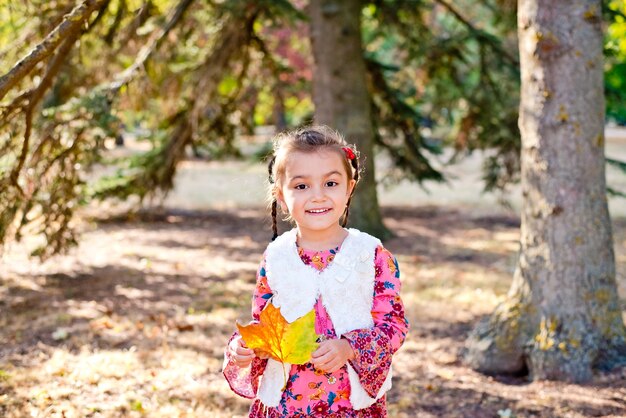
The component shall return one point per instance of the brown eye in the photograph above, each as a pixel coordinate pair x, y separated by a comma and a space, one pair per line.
331, 183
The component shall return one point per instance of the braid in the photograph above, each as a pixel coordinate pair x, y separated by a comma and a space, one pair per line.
274, 226
270, 168
347, 212
355, 165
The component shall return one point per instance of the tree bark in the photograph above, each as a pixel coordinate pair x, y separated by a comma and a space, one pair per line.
341, 97
562, 315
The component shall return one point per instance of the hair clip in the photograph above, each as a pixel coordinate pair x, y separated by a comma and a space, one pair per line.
349, 153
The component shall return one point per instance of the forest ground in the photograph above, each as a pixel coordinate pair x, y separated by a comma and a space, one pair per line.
133, 322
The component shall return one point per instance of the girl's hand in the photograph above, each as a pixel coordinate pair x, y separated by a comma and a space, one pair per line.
241, 355
331, 355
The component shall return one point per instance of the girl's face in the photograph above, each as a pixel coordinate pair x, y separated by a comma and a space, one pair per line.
315, 190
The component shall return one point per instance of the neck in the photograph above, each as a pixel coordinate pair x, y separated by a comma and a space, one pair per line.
321, 240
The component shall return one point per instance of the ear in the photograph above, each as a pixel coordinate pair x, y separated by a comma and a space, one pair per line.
281, 200
351, 185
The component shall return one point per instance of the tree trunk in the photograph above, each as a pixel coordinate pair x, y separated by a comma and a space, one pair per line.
341, 97
562, 315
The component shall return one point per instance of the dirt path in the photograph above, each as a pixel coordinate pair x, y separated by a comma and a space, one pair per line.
133, 322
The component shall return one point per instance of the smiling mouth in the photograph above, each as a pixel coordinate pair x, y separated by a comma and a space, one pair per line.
318, 211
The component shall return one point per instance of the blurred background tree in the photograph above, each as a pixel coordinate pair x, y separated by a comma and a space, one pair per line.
615, 66
189, 76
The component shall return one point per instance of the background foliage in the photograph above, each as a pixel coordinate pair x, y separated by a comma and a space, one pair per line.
198, 77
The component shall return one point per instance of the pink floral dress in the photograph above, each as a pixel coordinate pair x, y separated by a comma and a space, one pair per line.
310, 392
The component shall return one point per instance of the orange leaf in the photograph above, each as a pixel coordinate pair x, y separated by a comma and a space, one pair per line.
283, 341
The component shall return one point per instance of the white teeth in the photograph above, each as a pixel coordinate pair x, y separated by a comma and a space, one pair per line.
318, 210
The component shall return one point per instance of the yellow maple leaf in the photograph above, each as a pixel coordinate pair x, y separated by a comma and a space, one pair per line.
283, 341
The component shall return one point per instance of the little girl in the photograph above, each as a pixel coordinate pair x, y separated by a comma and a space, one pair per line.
351, 281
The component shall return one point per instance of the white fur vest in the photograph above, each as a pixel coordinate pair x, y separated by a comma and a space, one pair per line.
346, 287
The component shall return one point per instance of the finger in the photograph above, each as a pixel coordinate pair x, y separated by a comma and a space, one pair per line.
244, 351
335, 369
319, 367
245, 357
316, 362
325, 358
323, 367
243, 361
326, 368
322, 349
335, 365
242, 364
330, 368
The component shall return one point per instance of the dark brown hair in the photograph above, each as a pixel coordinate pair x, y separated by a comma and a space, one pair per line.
309, 139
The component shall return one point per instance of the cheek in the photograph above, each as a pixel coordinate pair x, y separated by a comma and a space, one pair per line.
344, 191
287, 195
290, 199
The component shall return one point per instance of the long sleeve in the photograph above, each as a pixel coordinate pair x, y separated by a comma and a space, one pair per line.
375, 347
244, 381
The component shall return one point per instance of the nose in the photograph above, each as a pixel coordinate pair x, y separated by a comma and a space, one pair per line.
318, 194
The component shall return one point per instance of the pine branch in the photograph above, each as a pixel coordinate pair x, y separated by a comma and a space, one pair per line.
479, 33
71, 22
26, 34
71, 35
235, 37
158, 167
621, 165
145, 53
101, 12
274, 66
141, 16
614, 192
121, 10
401, 117
35, 95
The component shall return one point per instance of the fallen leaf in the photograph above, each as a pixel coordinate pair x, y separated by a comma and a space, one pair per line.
283, 341
60, 334
102, 323
184, 327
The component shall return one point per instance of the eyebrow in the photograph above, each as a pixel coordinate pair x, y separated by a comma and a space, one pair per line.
302, 176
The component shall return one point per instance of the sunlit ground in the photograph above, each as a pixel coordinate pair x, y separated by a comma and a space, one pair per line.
133, 322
